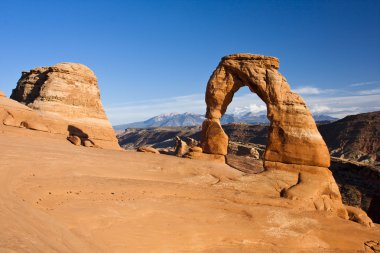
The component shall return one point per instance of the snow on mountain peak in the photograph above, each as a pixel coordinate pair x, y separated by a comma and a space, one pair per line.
252, 108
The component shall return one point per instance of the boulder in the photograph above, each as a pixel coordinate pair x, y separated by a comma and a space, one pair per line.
67, 95
196, 149
191, 142
240, 149
147, 149
254, 153
74, 140
181, 147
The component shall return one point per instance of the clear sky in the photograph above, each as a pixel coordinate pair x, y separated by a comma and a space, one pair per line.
155, 57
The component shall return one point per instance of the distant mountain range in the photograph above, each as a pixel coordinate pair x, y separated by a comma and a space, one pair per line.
192, 119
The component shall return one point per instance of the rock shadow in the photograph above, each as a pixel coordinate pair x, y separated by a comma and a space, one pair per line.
17, 93
73, 130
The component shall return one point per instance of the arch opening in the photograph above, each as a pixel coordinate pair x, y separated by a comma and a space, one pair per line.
245, 107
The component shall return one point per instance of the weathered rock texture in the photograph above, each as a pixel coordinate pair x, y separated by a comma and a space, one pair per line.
147, 149
15, 114
181, 147
293, 135
294, 143
68, 95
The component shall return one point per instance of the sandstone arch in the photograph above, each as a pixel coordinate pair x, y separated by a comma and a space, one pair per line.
294, 144
293, 136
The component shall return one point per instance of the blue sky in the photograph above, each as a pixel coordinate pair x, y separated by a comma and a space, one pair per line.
155, 57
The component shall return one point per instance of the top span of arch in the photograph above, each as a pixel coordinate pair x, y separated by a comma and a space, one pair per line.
265, 61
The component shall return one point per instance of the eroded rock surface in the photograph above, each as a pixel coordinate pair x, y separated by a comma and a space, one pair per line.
181, 147
294, 143
147, 149
68, 97
293, 135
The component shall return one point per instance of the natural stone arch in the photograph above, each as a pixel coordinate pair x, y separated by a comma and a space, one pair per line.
293, 135
295, 149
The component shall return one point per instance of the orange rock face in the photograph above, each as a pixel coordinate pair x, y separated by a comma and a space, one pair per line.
215, 139
67, 95
293, 135
294, 143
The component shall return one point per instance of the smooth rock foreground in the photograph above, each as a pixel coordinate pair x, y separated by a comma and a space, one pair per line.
294, 143
62, 99
55, 197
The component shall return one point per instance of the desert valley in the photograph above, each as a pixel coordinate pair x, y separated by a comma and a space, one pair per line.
67, 185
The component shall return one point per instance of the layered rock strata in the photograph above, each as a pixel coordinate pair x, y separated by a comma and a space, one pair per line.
294, 143
67, 97
293, 135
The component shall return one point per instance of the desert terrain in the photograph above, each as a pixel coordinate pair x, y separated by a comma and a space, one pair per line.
67, 186
57, 197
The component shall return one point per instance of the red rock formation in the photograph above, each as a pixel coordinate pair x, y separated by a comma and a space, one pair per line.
293, 135
294, 143
67, 98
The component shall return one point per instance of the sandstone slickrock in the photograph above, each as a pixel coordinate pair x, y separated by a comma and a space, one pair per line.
34, 125
67, 95
358, 215
358, 183
2, 94
372, 246
205, 157
147, 149
294, 143
245, 164
121, 196
15, 114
